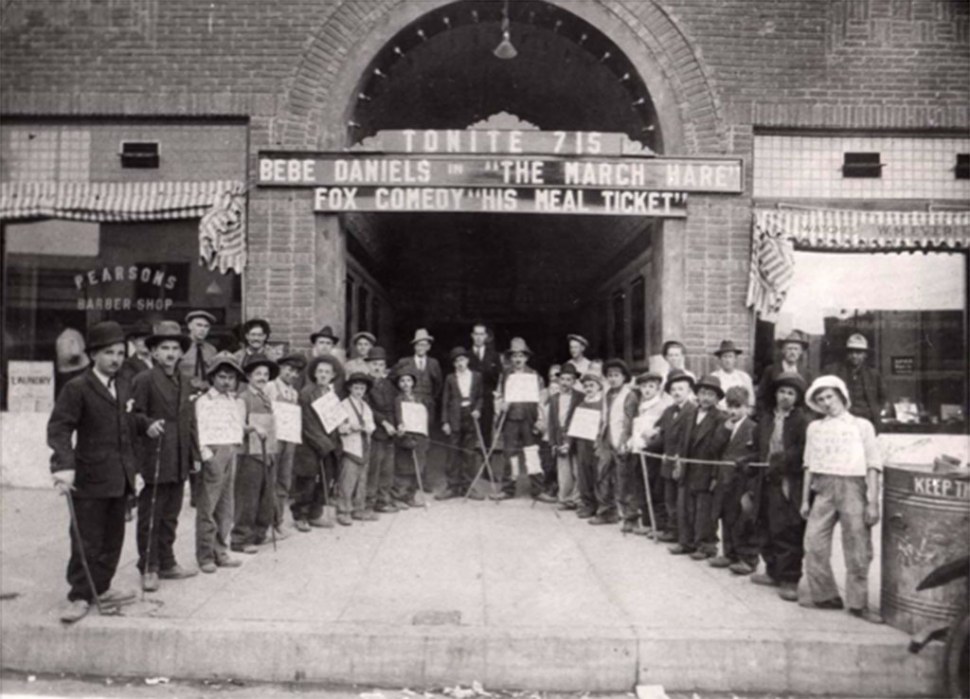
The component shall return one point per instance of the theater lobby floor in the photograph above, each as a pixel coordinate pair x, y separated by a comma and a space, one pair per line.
513, 595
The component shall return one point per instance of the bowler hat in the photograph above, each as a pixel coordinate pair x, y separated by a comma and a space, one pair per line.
252, 323
790, 379
294, 359
829, 381
726, 346
359, 377
325, 332
678, 375
105, 334
569, 368
365, 335
578, 338
258, 360
167, 330
141, 329
191, 315
617, 364
456, 353
796, 336
225, 359
650, 376
421, 334
518, 345
712, 382
376, 353
334, 363
672, 343
857, 342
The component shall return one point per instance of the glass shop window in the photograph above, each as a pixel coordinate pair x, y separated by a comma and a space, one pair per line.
62, 277
912, 310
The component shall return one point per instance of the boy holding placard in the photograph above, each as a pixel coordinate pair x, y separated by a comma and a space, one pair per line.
220, 416
619, 481
314, 461
355, 437
520, 387
256, 473
285, 396
584, 431
411, 451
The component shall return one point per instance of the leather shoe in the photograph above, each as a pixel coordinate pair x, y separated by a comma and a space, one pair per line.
627, 527
741, 568
720, 562
566, 506
701, 555
366, 516
149, 582
228, 562
667, 538
246, 548
600, 520
208, 567
176, 572
788, 592
344, 520
834, 603
546, 497
678, 550
387, 508
763, 579
867, 614
117, 597
447, 494
584, 513
302, 525
321, 523
475, 495
74, 611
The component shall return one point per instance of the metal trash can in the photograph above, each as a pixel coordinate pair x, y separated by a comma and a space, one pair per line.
926, 523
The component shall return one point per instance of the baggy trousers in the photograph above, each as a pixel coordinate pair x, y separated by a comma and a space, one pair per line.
101, 525
630, 492
351, 486
380, 473
607, 466
308, 491
168, 505
694, 522
783, 534
461, 460
255, 506
739, 533
586, 460
214, 508
284, 479
567, 478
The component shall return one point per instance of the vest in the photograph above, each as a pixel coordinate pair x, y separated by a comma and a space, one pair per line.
616, 416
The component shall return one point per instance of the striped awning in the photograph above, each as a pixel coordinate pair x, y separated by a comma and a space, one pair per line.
219, 203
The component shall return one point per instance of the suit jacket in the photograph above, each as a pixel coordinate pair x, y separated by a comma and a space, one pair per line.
380, 398
451, 400
187, 365
161, 397
557, 431
768, 377
670, 435
872, 387
429, 381
738, 447
318, 444
132, 367
705, 440
490, 367
785, 466
104, 459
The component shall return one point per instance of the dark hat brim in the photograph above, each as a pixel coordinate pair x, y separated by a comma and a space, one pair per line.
797, 384
152, 341
359, 378
322, 359
297, 361
712, 387
682, 377
617, 364
250, 324
251, 365
363, 336
214, 369
724, 350
330, 336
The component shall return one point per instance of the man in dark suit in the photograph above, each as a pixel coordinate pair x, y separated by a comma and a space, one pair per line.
867, 393
140, 359
561, 407
428, 377
461, 408
99, 473
484, 359
380, 398
792, 361
162, 403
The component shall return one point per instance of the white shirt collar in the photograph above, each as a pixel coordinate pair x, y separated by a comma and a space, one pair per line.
103, 378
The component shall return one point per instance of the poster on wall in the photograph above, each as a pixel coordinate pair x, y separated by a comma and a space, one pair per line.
30, 387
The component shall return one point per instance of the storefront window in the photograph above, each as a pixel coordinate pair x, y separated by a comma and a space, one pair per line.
62, 277
910, 308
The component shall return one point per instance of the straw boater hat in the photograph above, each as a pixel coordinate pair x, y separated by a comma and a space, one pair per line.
252, 323
334, 363
678, 375
258, 360
726, 346
578, 338
192, 315
456, 353
518, 345
617, 364
225, 359
167, 330
421, 334
712, 382
791, 379
672, 343
796, 336
295, 360
326, 332
857, 342
376, 353
105, 334
650, 376
829, 381
359, 377
365, 335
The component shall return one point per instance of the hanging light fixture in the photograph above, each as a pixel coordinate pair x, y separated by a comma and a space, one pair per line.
505, 50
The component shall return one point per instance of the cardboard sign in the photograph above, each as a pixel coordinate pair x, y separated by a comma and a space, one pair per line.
330, 410
522, 388
30, 387
289, 422
533, 464
220, 421
415, 417
585, 424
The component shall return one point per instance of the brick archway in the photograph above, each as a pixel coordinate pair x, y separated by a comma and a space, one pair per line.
324, 88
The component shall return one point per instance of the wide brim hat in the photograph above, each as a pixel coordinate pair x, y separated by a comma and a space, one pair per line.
796, 336
829, 381
857, 342
258, 360
792, 380
617, 364
376, 353
711, 382
365, 335
327, 332
140, 329
105, 334
252, 323
518, 345
672, 343
578, 338
650, 376
167, 330
456, 353
359, 377
726, 346
192, 315
295, 360
678, 375
421, 335
404, 370
334, 363
225, 359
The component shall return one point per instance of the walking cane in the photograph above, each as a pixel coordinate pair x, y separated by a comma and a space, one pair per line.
485, 454
272, 525
646, 485
417, 472
80, 548
151, 512
488, 457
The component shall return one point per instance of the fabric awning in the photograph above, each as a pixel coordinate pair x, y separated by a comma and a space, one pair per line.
779, 232
220, 204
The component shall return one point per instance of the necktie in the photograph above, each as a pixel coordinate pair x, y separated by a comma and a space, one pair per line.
420, 363
481, 353
111, 388
199, 368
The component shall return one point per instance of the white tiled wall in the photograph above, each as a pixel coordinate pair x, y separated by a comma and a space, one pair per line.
810, 167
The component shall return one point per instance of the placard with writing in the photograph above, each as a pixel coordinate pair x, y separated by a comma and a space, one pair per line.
219, 421
585, 424
30, 387
289, 422
522, 388
330, 411
415, 417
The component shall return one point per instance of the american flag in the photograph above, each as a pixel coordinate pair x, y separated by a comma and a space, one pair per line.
772, 266
222, 233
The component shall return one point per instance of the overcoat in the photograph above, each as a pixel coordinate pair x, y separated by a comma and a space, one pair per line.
159, 396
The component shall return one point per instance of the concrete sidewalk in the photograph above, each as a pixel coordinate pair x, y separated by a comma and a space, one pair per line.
510, 595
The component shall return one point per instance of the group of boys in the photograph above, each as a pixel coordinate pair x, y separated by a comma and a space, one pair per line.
665, 453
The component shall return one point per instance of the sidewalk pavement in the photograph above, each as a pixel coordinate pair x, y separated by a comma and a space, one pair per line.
509, 594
